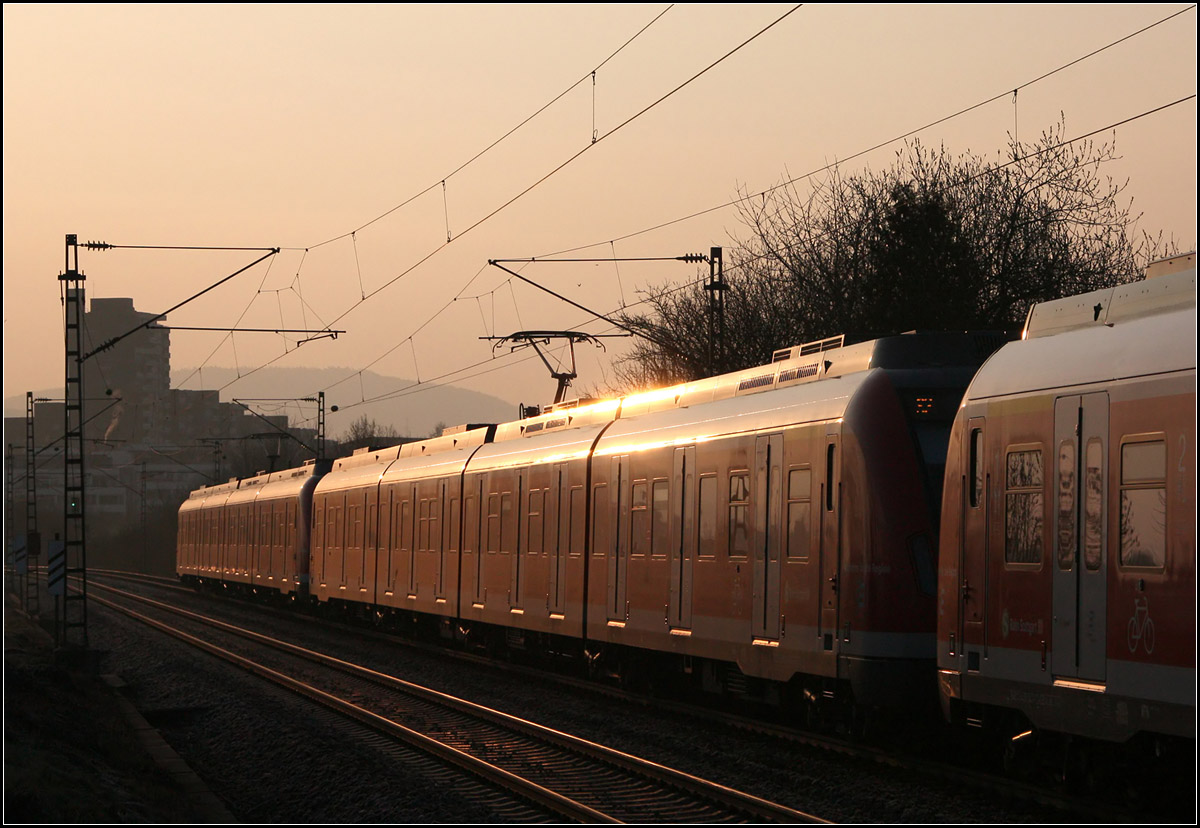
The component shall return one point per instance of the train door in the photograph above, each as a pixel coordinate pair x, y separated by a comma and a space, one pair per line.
410, 516
480, 509
518, 562
973, 552
449, 535
768, 472
557, 537
401, 539
430, 542
389, 527
683, 537
381, 577
830, 509
367, 581
316, 545
1078, 639
618, 560
357, 546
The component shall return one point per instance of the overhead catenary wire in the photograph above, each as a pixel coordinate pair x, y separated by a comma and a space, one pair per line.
877, 146
909, 134
502, 138
442, 182
594, 317
545, 177
827, 167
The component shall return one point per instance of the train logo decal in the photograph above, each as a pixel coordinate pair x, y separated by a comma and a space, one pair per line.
1016, 625
1141, 627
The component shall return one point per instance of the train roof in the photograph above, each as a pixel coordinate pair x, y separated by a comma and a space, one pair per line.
552, 446
208, 496
818, 380
364, 466
1170, 285
288, 482
415, 460
419, 466
459, 437
813, 362
688, 424
1139, 329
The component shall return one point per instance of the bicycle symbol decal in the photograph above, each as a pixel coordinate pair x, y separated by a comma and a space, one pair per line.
1141, 627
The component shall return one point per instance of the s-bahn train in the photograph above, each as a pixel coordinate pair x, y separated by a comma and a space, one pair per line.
1067, 569
774, 532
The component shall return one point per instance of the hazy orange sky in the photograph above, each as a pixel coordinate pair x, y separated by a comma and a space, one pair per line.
290, 126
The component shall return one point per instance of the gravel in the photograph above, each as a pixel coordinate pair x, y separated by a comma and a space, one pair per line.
272, 758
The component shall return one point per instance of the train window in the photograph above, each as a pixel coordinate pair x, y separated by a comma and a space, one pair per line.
454, 523
396, 524
372, 520
1023, 507
536, 530
354, 516
470, 524
1066, 505
493, 523
576, 527
601, 515
798, 513
739, 514
1144, 504
1143, 463
1093, 504
331, 527
660, 529
508, 527
435, 518
639, 520
423, 524
706, 518
406, 525
976, 466
829, 457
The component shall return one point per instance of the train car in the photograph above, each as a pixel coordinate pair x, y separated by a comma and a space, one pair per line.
240, 525
387, 526
420, 498
771, 531
775, 528
343, 560
525, 506
190, 535
279, 562
198, 548
1067, 575
253, 532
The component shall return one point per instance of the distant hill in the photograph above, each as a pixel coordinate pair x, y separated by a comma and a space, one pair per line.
413, 414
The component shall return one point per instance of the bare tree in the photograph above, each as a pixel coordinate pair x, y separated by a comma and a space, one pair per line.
934, 242
367, 432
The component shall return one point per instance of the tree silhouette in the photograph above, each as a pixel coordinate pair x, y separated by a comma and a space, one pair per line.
934, 242
365, 432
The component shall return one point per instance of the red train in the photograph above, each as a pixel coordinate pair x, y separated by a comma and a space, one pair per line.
774, 532
1067, 574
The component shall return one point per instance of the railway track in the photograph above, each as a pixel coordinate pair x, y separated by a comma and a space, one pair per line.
566, 777
1053, 802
